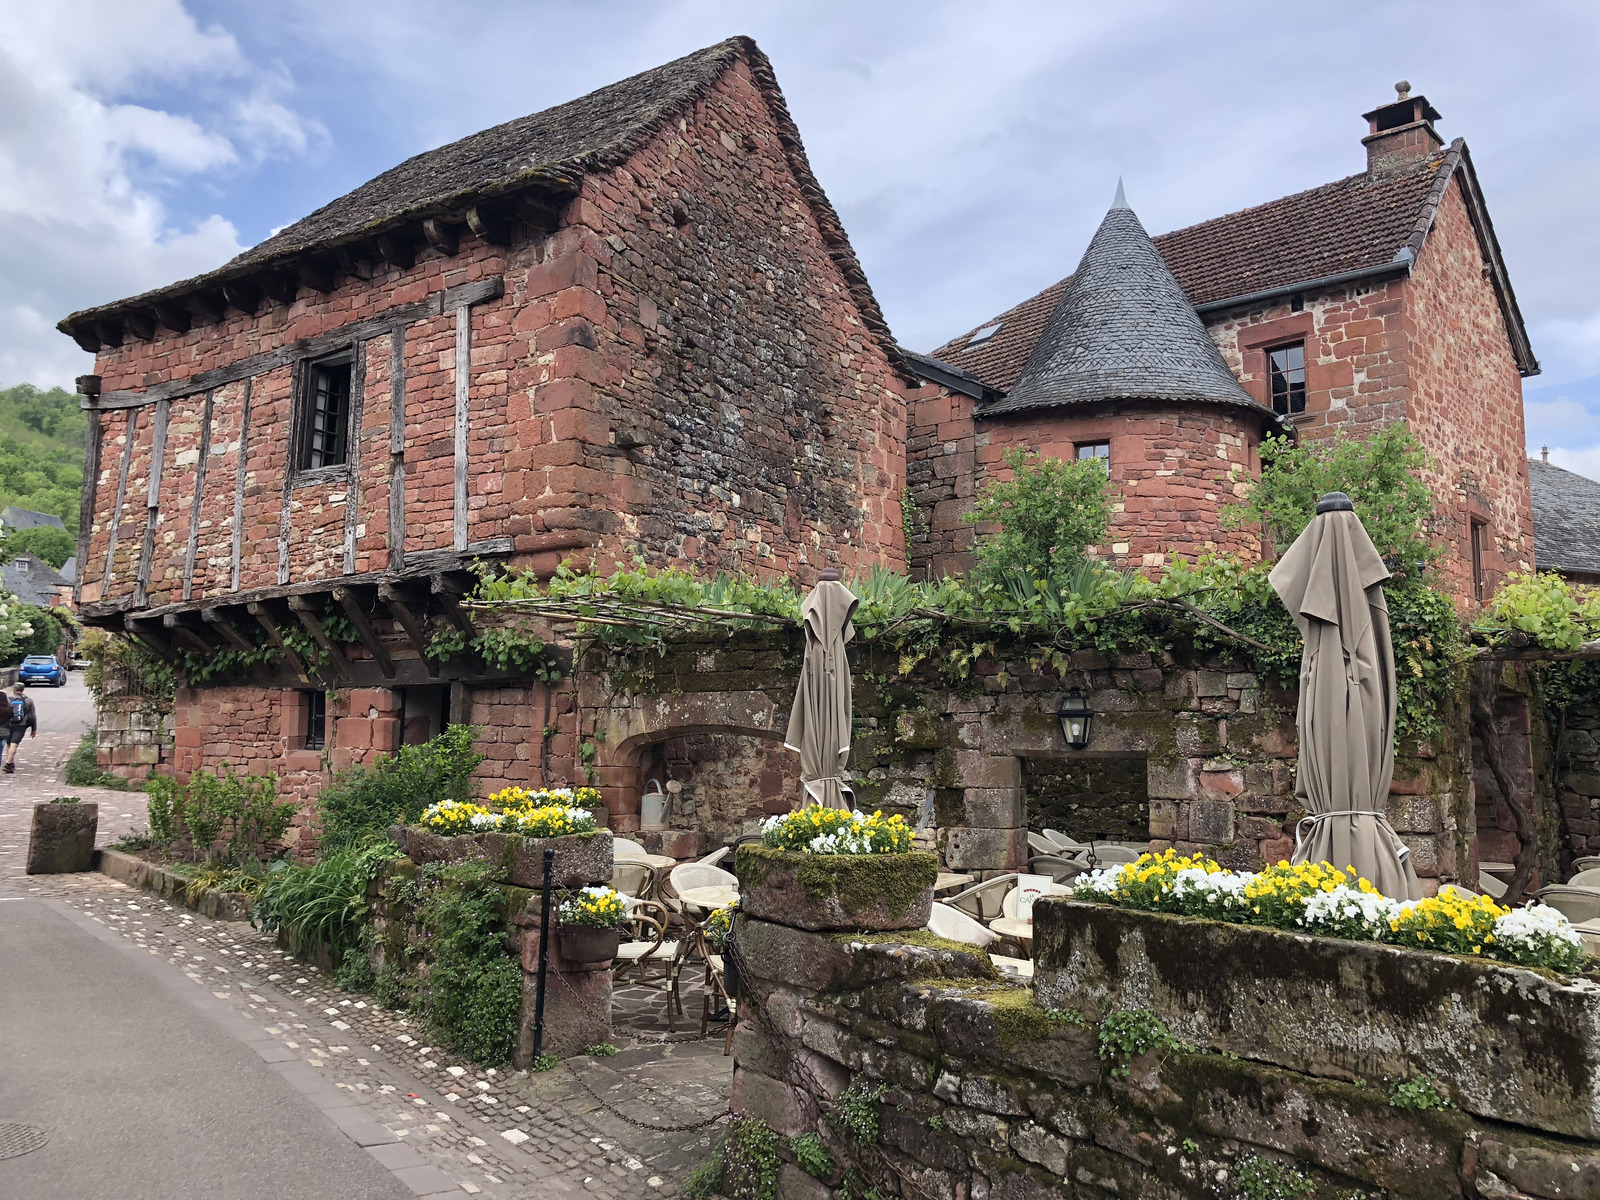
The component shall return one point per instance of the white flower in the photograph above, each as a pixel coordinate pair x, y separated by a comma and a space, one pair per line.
1527, 927
1345, 905
1102, 882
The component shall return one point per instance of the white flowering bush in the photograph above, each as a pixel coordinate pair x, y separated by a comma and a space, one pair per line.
1539, 936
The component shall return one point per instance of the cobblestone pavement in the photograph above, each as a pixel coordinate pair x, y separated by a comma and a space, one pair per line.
497, 1134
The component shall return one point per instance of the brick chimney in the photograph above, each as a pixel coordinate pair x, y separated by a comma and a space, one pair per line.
1401, 133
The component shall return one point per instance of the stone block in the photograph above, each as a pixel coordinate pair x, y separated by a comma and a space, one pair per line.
1211, 821
1174, 779
1197, 737
1164, 821
770, 1100
1221, 785
795, 1184
1508, 1044
673, 843
919, 731
1413, 814
61, 839
1542, 1170
970, 849
577, 1003
974, 769
1210, 684
992, 808
791, 957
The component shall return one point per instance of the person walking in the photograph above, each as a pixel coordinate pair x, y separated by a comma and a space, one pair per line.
21, 717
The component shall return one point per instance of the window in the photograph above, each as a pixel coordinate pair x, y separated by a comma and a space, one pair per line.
325, 412
1287, 368
1478, 538
1100, 451
316, 720
984, 334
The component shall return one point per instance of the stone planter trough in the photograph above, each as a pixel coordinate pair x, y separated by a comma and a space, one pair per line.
582, 859
62, 838
836, 891
588, 944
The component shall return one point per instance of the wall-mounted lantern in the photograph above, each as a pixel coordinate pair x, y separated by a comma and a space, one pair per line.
1074, 715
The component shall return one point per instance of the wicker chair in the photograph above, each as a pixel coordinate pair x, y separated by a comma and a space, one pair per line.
982, 901
645, 929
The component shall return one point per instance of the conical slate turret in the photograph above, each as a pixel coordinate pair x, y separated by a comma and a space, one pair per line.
1123, 330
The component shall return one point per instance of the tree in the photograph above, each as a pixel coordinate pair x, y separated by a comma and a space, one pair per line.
1382, 475
53, 545
1047, 514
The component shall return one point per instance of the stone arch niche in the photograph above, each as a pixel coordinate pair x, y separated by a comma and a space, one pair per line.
724, 748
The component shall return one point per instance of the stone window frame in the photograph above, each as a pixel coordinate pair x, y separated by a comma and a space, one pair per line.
299, 427
1256, 342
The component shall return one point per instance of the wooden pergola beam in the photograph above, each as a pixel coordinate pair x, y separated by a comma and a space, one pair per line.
399, 606
187, 636
225, 627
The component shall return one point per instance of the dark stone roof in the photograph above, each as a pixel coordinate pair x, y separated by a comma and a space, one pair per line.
12, 517
550, 152
32, 580
1123, 329
1360, 223
1566, 519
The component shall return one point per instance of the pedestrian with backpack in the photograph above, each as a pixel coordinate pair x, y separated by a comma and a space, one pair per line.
21, 717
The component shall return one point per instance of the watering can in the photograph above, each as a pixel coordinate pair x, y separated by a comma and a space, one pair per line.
653, 807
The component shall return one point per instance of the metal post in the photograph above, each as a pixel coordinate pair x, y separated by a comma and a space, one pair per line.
544, 954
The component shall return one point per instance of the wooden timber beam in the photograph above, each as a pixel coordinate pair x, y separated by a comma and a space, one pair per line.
275, 636
222, 625
397, 251
141, 324
157, 644
489, 226
278, 286
317, 276
246, 297
352, 608
450, 593
205, 307
174, 624
173, 317
400, 607
306, 611
440, 236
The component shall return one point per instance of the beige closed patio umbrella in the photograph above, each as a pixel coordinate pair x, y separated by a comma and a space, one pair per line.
819, 722
1330, 581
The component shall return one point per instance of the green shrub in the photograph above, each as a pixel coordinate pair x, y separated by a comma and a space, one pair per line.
471, 994
1130, 1032
1382, 475
355, 972
1263, 1179
395, 789
813, 1157
83, 767
856, 1110
246, 807
750, 1160
164, 811
324, 902
1049, 513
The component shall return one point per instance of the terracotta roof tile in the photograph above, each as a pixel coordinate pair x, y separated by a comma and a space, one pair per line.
1354, 223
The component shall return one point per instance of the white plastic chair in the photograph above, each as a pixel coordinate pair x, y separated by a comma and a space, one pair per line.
1060, 870
1586, 862
983, 900
1580, 904
1490, 886
1108, 855
1587, 878
716, 856
956, 925
1040, 844
1015, 968
622, 847
1027, 885
1063, 842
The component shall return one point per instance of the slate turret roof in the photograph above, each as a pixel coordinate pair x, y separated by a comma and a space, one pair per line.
1123, 330
1362, 225
1566, 520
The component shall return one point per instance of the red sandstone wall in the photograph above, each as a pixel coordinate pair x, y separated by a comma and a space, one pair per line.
1172, 468
705, 391
1466, 404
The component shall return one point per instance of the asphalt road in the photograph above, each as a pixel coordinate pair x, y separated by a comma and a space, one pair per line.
142, 1097
67, 709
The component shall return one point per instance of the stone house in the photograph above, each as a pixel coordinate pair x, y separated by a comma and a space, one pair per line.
633, 326
1376, 298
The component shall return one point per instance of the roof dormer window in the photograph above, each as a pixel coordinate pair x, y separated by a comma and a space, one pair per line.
985, 334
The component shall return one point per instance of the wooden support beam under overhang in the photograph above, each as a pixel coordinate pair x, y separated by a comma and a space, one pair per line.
351, 604
318, 276
246, 297
489, 225
219, 621
141, 324
399, 604
306, 611
173, 316
149, 638
279, 286
440, 236
397, 251
188, 637
449, 593
264, 618
206, 307
88, 337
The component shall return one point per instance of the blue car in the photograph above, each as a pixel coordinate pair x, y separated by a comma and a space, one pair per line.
42, 668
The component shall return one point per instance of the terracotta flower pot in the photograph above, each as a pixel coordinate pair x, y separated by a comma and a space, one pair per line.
586, 943
836, 891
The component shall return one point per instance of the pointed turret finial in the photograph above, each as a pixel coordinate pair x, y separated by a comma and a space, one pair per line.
1121, 201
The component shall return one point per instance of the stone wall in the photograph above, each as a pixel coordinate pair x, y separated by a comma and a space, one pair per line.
1578, 779
132, 738
985, 1091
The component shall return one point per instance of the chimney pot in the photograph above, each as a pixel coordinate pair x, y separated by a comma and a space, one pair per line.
1400, 133
1402, 90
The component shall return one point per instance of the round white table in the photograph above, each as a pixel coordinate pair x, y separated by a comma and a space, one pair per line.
1014, 927
716, 896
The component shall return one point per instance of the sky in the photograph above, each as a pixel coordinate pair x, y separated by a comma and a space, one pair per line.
971, 149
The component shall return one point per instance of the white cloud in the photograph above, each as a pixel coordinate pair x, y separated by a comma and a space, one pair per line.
92, 145
1581, 462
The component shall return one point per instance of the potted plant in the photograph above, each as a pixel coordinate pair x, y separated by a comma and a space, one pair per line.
62, 838
590, 925
513, 829
825, 868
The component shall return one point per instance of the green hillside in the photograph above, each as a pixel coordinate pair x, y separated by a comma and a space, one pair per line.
41, 451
